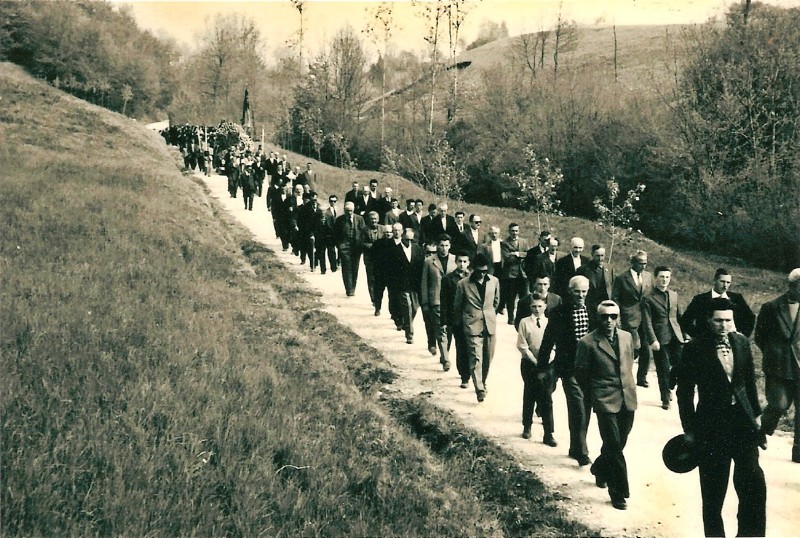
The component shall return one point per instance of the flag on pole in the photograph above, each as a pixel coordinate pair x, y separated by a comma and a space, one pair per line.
247, 113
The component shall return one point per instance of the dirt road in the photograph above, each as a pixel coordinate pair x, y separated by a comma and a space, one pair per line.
661, 503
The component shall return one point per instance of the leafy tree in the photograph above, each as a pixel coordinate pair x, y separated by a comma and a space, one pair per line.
537, 187
618, 216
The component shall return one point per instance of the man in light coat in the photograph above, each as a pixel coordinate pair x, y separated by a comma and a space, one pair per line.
433, 271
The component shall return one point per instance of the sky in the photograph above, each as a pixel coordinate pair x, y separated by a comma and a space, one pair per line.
279, 21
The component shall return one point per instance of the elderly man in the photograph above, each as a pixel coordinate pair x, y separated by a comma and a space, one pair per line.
604, 364
627, 292
568, 323
381, 257
722, 426
406, 259
443, 224
474, 309
349, 232
568, 266
778, 337
430, 298
536, 388
493, 251
365, 202
694, 319
374, 232
383, 205
513, 281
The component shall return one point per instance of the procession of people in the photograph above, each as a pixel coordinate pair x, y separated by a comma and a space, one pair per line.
575, 320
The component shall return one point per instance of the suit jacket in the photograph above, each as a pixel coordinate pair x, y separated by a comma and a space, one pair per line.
351, 195
341, 233
600, 282
486, 249
778, 337
629, 299
364, 207
448, 297
512, 264
468, 243
564, 270
560, 332
607, 376
382, 206
524, 306
410, 221
432, 275
543, 266
660, 317
701, 368
425, 231
697, 313
530, 261
404, 275
330, 220
472, 314
310, 221
436, 229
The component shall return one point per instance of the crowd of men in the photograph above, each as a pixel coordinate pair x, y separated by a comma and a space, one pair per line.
575, 320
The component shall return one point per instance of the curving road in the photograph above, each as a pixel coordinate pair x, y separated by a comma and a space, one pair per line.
661, 503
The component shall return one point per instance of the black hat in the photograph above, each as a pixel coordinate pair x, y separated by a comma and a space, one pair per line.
679, 455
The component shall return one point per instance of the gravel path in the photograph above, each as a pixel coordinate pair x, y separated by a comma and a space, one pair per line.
661, 503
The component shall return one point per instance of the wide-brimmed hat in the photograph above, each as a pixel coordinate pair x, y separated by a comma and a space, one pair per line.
679, 455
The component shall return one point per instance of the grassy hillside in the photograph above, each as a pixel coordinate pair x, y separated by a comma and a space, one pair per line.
163, 375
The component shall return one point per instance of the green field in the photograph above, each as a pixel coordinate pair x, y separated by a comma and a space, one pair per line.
164, 375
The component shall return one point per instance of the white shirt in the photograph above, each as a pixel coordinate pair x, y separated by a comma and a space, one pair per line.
637, 279
576, 261
496, 253
715, 295
529, 337
406, 250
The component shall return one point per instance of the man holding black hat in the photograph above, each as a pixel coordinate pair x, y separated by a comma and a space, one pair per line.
722, 427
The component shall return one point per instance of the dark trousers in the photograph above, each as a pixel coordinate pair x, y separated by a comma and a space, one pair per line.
645, 357
666, 358
372, 276
351, 260
578, 415
510, 289
436, 333
430, 326
326, 248
610, 464
731, 439
395, 309
535, 391
781, 394
409, 304
308, 250
462, 356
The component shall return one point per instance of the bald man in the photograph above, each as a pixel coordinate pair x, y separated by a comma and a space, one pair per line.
567, 267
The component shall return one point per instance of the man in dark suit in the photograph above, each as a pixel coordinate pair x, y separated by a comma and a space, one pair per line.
364, 203
723, 427
448, 316
600, 278
442, 224
309, 224
567, 324
430, 297
471, 236
383, 205
280, 215
513, 282
539, 289
352, 194
604, 364
662, 333
349, 232
425, 225
293, 206
381, 256
627, 292
535, 251
694, 319
778, 337
545, 263
326, 246
567, 266
308, 177
409, 218
373, 233
405, 279
474, 309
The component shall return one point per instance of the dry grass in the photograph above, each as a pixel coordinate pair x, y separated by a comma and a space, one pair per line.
163, 375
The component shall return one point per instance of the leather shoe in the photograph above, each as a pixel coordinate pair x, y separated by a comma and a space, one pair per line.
481, 396
377, 312
526, 432
795, 457
584, 460
446, 366
643, 384
463, 385
665, 405
600, 482
409, 340
432, 350
619, 504
549, 440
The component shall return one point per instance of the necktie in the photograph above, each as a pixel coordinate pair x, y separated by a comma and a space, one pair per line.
333, 212
538, 323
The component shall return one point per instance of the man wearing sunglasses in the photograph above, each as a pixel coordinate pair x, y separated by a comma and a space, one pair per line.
604, 365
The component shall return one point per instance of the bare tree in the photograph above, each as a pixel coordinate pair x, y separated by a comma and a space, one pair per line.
348, 77
456, 13
566, 38
381, 29
432, 12
300, 6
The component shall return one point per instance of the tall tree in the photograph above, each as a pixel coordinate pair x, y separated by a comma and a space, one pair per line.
380, 29
433, 12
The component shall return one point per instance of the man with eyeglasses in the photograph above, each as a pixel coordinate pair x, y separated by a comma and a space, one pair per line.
627, 292
604, 364
474, 308
472, 237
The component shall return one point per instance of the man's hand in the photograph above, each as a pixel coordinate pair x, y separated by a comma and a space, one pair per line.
655, 346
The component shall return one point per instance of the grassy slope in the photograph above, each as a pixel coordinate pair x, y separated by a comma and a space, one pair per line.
164, 375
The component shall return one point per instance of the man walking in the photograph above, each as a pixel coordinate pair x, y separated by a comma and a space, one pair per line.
513, 281
695, 318
475, 308
404, 280
723, 427
604, 364
449, 285
568, 266
600, 278
628, 290
433, 271
349, 231
778, 337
